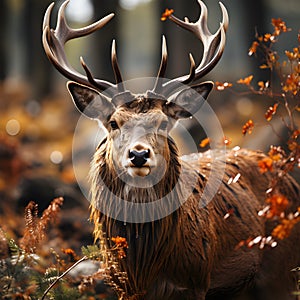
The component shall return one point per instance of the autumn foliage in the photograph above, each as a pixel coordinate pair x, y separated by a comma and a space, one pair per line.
120, 246
285, 158
35, 227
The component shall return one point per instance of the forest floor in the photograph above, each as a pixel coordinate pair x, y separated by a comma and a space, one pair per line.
36, 165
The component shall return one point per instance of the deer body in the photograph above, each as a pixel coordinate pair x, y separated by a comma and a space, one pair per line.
193, 252
182, 238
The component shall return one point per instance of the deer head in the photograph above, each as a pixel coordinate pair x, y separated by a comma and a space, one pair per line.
137, 125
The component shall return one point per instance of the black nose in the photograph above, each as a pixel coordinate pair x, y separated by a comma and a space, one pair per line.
138, 158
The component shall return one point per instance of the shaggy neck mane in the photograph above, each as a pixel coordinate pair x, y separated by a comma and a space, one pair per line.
140, 236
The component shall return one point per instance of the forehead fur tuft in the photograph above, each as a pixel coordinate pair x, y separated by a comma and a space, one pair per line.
143, 104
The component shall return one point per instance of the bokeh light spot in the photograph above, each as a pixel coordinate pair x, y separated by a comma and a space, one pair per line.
13, 127
56, 157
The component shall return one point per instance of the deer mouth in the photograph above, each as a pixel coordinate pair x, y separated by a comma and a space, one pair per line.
146, 175
138, 171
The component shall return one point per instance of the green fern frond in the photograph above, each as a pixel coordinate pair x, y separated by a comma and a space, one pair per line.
92, 252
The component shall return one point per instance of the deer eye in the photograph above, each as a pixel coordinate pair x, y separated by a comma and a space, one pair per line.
163, 125
114, 125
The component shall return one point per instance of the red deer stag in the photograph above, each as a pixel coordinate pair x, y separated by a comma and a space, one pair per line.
180, 246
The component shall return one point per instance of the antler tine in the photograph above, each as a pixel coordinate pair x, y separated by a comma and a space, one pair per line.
116, 68
88, 72
47, 15
54, 41
210, 41
225, 18
192, 70
162, 67
213, 45
66, 33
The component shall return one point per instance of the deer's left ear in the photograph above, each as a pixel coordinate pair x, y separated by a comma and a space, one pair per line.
189, 101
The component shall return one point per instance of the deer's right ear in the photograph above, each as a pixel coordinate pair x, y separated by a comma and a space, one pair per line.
188, 101
90, 102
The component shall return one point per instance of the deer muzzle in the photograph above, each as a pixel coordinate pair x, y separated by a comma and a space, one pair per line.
140, 160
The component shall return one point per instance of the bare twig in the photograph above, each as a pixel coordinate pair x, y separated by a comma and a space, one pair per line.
62, 275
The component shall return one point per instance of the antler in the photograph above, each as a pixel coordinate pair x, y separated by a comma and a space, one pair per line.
54, 41
213, 49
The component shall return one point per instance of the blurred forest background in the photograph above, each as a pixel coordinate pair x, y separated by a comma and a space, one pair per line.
37, 117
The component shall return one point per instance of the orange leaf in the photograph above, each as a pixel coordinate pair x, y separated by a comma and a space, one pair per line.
295, 134
276, 153
248, 127
266, 164
283, 230
279, 26
71, 253
264, 66
292, 83
220, 86
271, 111
204, 142
278, 204
267, 37
261, 85
120, 241
226, 141
246, 80
253, 48
166, 14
